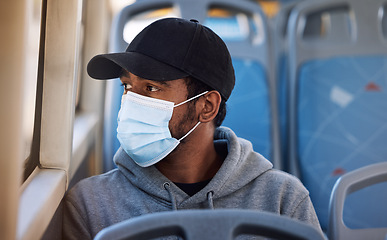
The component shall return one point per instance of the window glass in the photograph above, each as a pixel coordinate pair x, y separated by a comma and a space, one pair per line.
329, 24
234, 26
143, 19
33, 15
79, 50
270, 8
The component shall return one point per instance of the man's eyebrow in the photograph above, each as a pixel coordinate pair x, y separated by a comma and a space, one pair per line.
126, 74
165, 83
160, 83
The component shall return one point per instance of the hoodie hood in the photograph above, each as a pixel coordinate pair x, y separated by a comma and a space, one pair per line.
241, 166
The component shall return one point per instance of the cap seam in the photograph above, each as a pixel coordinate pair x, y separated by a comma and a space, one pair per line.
189, 55
194, 41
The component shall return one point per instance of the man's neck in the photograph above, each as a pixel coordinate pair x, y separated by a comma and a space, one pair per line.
194, 161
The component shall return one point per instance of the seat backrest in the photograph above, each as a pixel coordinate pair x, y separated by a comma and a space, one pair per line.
338, 98
242, 25
281, 57
346, 185
210, 224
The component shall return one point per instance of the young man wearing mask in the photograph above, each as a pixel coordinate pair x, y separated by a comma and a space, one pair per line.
177, 76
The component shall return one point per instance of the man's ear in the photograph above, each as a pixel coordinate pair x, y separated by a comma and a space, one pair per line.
209, 106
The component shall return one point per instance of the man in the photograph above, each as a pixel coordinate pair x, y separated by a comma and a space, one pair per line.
177, 76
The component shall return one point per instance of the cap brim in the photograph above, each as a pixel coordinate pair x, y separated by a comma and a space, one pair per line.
108, 66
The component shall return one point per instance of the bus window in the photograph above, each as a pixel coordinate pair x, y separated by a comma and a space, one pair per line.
79, 52
229, 25
33, 15
143, 19
234, 26
270, 8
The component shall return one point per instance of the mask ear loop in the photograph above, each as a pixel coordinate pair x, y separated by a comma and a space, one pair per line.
197, 124
192, 98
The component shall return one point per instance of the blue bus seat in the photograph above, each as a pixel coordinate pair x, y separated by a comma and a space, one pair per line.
344, 128
248, 109
338, 100
249, 48
251, 109
349, 183
225, 224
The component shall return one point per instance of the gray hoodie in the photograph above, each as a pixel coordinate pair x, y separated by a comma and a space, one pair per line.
246, 180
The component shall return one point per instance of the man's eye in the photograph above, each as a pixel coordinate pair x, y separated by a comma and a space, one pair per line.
126, 86
151, 88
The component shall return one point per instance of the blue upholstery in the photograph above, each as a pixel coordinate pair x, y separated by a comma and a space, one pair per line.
248, 109
342, 126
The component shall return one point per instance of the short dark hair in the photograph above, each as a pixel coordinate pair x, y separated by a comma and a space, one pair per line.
196, 87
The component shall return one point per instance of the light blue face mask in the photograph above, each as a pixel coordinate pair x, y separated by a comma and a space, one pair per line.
143, 128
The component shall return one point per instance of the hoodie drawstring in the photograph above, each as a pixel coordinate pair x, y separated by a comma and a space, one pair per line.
167, 187
210, 194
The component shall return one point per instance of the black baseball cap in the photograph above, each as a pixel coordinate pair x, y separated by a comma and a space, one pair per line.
170, 49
